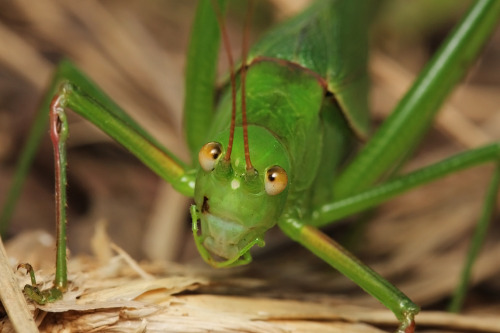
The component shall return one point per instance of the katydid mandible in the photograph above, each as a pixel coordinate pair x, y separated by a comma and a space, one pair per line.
280, 170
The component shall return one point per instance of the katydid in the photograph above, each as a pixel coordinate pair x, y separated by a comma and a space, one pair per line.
306, 105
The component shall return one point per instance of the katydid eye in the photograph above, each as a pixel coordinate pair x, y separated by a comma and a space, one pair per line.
209, 154
276, 180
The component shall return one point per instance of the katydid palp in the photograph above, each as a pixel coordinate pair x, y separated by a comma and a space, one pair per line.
312, 198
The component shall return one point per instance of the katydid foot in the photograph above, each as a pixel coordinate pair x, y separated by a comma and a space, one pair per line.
41, 297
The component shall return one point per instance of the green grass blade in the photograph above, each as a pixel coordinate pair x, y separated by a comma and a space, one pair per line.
476, 242
26, 159
38, 130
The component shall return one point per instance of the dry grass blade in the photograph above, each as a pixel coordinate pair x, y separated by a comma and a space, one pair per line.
12, 298
112, 296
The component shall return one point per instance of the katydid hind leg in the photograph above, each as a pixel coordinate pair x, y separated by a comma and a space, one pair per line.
417, 109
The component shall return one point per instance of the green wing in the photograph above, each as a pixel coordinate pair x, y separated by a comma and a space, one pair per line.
330, 39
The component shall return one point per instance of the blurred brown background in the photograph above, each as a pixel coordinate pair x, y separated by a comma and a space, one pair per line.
135, 52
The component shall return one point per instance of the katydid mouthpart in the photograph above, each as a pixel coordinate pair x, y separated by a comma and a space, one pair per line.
305, 101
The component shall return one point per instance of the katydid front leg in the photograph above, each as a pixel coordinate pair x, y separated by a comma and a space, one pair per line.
59, 135
74, 91
339, 258
330, 251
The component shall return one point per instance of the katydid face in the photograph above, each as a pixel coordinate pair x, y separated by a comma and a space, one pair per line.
235, 206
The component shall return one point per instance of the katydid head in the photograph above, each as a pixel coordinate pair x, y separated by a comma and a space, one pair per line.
235, 206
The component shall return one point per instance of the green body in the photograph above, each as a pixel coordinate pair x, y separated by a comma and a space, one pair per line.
310, 114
